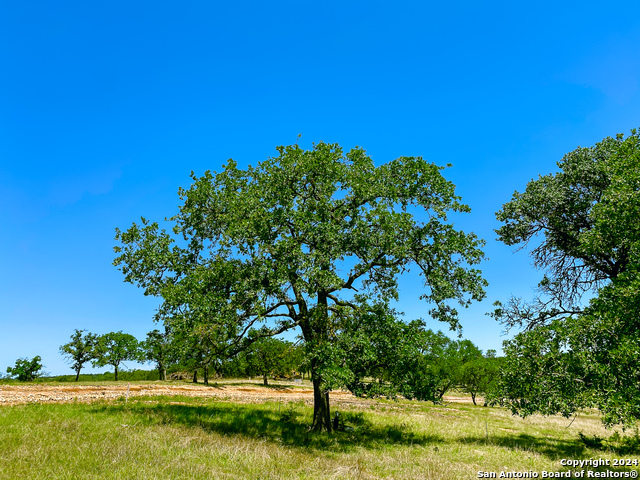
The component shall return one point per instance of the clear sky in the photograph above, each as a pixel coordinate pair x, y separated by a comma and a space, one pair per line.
105, 108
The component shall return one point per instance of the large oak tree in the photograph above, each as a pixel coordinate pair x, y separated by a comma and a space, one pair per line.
291, 243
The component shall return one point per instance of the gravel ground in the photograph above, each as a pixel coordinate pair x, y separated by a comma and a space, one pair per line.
23, 394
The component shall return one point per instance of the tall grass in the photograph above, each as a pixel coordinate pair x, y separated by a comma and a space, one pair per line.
186, 437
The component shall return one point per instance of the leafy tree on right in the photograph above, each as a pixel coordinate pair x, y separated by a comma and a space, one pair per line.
585, 221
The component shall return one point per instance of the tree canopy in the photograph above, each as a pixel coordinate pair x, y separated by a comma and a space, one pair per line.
80, 350
160, 349
113, 348
270, 356
572, 353
26, 370
291, 242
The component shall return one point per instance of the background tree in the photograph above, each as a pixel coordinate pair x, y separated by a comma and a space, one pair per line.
437, 366
26, 370
477, 376
378, 354
79, 350
571, 355
114, 348
270, 356
199, 344
160, 349
234, 367
288, 242
369, 351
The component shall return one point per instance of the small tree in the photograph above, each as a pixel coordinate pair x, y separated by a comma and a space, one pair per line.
478, 375
26, 370
270, 356
79, 350
196, 346
158, 348
114, 348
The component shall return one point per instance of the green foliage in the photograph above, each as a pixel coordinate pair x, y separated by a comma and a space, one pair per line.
375, 354
197, 346
365, 351
80, 350
289, 241
26, 370
234, 367
623, 445
438, 366
114, 348
270, 357
571, 356
479, 374
160, 349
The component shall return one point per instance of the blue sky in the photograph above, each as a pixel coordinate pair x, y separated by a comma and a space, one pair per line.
105, 108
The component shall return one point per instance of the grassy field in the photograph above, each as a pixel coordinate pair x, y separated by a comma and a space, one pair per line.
195, 438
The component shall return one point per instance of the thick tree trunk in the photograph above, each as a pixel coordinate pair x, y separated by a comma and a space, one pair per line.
77, 375
195, 376
264, 378
315, 329
116, 367
321, 411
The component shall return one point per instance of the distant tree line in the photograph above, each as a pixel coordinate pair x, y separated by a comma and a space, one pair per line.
380, 356
372, 355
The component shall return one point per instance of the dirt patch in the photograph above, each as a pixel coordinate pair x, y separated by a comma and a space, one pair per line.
24, 394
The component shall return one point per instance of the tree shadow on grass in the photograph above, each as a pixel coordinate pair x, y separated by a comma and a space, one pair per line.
261, 385
552, 448
287, 425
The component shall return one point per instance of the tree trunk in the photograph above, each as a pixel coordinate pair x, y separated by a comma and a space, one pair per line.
315, 330
473, 397
321, 412
264, 377
195, 376
116, 367
77, 374
206, 374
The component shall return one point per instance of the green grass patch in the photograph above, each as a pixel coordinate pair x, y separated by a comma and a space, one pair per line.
195, 438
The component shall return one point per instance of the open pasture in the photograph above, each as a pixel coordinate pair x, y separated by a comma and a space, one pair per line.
202, 437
